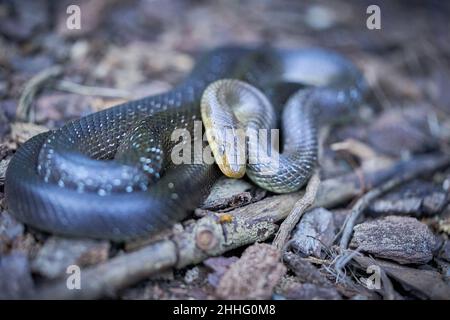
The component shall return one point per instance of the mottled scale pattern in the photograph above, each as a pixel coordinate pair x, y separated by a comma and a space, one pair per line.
108, 175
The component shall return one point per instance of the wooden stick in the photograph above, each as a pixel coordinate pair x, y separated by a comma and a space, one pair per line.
366, 200
300, 207
32, 87
77, 88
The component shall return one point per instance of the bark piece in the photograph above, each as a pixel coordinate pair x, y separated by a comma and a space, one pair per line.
220, 265
398, 131
417, 198
419, 282
314, 231
254, 276
231, 193
304, 270
402, 239
57, 254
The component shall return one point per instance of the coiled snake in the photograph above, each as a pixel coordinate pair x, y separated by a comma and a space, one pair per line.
110, 175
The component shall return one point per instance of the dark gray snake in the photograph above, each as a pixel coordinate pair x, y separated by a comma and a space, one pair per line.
110, 175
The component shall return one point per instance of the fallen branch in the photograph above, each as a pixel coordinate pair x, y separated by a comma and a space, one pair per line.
76, 88
401, 178
46, 78
419, 281
212, 236
300, 207
32, 87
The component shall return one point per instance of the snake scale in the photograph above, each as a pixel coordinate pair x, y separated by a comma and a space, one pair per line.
109, 175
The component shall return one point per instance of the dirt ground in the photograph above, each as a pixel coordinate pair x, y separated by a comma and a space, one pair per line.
130, 49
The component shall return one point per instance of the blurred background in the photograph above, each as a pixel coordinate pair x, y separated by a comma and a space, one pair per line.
140, 47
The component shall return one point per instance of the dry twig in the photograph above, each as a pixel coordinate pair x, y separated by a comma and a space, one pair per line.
46, 78
32, 87
401, 178
76, 88
300, 207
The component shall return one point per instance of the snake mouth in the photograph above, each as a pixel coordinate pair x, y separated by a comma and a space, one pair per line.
230, 169
230, 152
230, 157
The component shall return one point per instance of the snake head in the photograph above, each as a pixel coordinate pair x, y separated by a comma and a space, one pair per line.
225, 134
228, 148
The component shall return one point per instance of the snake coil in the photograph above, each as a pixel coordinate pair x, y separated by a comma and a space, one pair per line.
109, 175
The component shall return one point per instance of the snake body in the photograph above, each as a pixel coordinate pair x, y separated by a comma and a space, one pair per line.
110, 175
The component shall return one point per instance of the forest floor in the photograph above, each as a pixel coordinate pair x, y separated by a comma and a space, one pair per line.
381, 218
